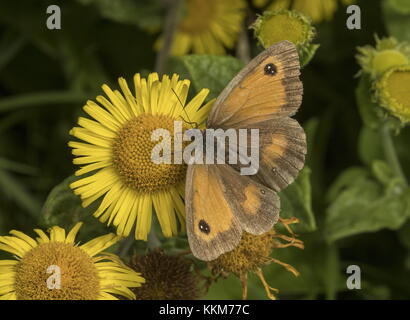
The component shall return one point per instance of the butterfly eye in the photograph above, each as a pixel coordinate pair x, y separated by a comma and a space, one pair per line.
204, 227
270, 69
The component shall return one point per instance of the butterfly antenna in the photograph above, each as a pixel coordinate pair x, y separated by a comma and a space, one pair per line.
183, 108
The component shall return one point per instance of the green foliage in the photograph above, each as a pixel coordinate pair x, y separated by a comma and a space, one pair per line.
397, 18
62, 207
207, 71
307, 54
296, 201
366, 202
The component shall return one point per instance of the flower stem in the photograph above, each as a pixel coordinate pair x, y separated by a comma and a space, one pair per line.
390, 152
126, 245
153, 241
171, 21
243, 48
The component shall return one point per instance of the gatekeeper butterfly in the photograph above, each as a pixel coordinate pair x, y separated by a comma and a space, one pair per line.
220, 203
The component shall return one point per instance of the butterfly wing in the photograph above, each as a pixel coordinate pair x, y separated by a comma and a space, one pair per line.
267, 88
282, 150
264, 95
256, 206
220, 204
212, 226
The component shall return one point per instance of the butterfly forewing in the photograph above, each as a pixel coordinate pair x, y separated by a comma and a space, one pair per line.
267, 88
212, 225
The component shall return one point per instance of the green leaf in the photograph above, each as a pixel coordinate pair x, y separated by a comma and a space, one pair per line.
307, 54
207, 71
296, 201
145, 14
360, 204
344, 180
63, 208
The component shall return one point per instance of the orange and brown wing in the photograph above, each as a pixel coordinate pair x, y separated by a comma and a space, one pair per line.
267, 88
220, 204
282, 150
212, 226
255, 205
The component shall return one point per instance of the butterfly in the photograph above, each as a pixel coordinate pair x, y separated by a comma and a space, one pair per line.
220, 203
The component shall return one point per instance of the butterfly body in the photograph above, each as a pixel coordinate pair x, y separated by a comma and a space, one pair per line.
221, 203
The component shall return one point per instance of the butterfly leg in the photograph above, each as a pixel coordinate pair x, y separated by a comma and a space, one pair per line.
268, 288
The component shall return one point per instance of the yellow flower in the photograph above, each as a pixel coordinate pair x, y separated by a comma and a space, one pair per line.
317, 10
117, 150
78, 272
208, 27
393, 92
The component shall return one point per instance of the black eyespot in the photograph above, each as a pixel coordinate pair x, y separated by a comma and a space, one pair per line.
263, 191
204, 227
270, 69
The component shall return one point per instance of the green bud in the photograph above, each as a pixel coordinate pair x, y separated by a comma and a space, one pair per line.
273, 27
388, 53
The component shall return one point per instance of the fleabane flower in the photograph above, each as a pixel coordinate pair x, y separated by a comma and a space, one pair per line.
116, 153
393, 92
253, 253
387, 66
54, 267
168, 277
208, 26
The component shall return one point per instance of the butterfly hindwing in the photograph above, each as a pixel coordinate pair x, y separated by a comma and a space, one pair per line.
282, 150
267, 88
255, 206
282, 153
